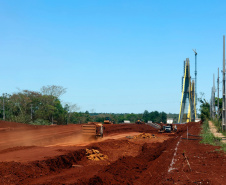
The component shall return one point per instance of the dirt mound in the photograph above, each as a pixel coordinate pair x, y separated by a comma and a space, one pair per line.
144, 136
17, 173
120, 128
95, 155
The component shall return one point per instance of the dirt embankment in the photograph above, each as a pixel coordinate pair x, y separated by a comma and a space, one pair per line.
122, 128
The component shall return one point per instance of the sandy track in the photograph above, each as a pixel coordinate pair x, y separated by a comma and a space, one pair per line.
215, 132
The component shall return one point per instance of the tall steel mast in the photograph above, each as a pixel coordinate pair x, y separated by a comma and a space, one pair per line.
196, 97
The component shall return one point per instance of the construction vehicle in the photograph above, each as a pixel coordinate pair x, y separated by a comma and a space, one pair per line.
107, 120
139, 121
165, 128
93, 129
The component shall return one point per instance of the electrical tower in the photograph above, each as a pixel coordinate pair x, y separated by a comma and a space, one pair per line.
188, 99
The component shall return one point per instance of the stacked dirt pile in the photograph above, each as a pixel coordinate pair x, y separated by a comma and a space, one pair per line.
95, 155
144, 136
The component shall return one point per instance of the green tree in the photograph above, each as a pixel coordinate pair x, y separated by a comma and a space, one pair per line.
204, 108
146, 116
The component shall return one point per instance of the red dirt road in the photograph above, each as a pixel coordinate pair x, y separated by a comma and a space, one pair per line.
56, 155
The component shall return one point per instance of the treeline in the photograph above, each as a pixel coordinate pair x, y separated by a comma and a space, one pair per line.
79, 117
45, 107
32, 107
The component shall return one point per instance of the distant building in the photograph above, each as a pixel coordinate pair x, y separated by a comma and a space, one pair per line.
126, 121
169, 121
197, 119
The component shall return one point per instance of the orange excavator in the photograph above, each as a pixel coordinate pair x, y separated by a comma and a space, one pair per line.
139, 121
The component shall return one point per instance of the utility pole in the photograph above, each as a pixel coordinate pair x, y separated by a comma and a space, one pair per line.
218, 111
3, 106
213, 97
196, 97
211, 104
31, 111
223, 90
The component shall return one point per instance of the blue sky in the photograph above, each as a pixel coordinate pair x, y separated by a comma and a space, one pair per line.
112, 56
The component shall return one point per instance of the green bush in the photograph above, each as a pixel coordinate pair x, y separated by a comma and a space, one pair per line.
40, 122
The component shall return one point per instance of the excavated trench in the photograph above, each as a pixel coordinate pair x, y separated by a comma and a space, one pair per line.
133, 170
16, 172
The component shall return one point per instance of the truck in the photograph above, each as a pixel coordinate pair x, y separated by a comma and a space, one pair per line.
93, 129
166, 127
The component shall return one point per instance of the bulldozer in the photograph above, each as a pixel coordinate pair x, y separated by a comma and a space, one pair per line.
107, 121
93, 129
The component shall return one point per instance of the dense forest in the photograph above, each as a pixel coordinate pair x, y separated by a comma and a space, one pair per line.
45, 107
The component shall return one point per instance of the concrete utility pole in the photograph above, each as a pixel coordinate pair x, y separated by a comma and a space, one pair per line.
223, 90
211, 114
213, 99
218, 111
196, 96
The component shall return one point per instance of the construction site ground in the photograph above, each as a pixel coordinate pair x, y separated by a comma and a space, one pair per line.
127, 154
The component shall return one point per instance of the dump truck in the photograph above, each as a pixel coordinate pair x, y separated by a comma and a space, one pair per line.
107, 120
93, 129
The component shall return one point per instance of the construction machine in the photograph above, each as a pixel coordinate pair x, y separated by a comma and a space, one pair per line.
167, 128
139, 121
164, 128
107, 120
93, 129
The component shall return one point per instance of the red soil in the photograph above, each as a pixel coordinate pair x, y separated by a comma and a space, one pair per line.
36, 155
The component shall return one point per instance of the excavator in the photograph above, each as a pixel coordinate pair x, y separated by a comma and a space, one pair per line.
139, 121
93, 129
